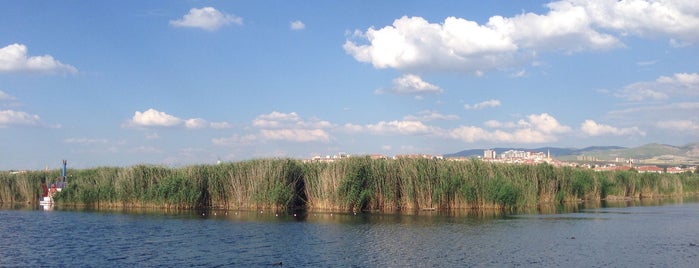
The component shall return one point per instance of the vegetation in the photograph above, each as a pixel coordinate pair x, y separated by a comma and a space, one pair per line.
357, 183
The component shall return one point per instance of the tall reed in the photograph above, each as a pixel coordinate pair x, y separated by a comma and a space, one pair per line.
357, 183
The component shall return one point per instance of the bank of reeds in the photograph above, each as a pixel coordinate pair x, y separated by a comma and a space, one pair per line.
356, 183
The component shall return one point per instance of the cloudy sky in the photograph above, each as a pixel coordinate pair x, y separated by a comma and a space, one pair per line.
118, 83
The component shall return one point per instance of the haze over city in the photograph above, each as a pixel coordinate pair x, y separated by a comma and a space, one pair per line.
107, 83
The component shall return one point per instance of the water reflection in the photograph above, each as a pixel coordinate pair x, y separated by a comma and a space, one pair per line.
589, 234
366, 217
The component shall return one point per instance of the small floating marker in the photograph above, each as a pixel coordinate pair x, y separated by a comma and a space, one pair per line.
294, 214
276, 215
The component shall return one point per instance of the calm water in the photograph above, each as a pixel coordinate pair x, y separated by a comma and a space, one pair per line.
662, 235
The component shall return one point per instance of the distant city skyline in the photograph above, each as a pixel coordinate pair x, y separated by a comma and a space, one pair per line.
131, 82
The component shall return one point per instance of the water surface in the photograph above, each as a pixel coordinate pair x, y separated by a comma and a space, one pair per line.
621, 235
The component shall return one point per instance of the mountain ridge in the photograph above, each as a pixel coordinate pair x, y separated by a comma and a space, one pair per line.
647, 153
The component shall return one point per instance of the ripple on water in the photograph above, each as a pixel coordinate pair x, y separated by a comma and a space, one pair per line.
636, 236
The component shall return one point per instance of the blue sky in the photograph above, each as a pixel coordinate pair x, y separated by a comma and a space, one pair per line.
118, 83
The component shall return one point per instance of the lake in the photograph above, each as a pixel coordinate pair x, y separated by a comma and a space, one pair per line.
627, 234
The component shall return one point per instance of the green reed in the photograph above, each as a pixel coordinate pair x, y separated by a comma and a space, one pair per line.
357, 183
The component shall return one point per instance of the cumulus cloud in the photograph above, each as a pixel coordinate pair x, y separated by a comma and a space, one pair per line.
410, 84
275, 119
17, 118
663, 88
535, 128
207, 18
395, 127
297, 25
291, 127
592, 128
155, 118
405, 127
569, 26
14, 58
482, 105
678, 20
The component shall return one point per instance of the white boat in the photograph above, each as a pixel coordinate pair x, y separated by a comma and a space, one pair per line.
47, 198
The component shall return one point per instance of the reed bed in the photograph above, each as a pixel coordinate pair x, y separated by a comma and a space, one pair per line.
355, 184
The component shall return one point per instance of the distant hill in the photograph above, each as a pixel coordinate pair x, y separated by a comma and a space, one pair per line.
650, 153
555, 151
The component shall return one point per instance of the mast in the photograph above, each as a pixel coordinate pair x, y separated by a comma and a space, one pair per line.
63, 171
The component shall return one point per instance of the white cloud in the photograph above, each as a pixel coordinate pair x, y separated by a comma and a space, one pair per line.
291, 127
220, 125
154, 118
85, 141
296, 135
353, 128
275, 119
6, 97
646, 63
665, 87
457, 44
545, 123
430, 116
535, 128
648, 114
412, 43
235, 140
11, 117
195, 123
482, 105
680, 125
399, 127
297, 25
520, 74
677, 19
498, 124
207, 18
410, 84
14, 58
395, 127
592, 128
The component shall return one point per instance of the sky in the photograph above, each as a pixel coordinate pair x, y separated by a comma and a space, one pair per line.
121, 83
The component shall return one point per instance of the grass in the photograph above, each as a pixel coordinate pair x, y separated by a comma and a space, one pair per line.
357, 184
